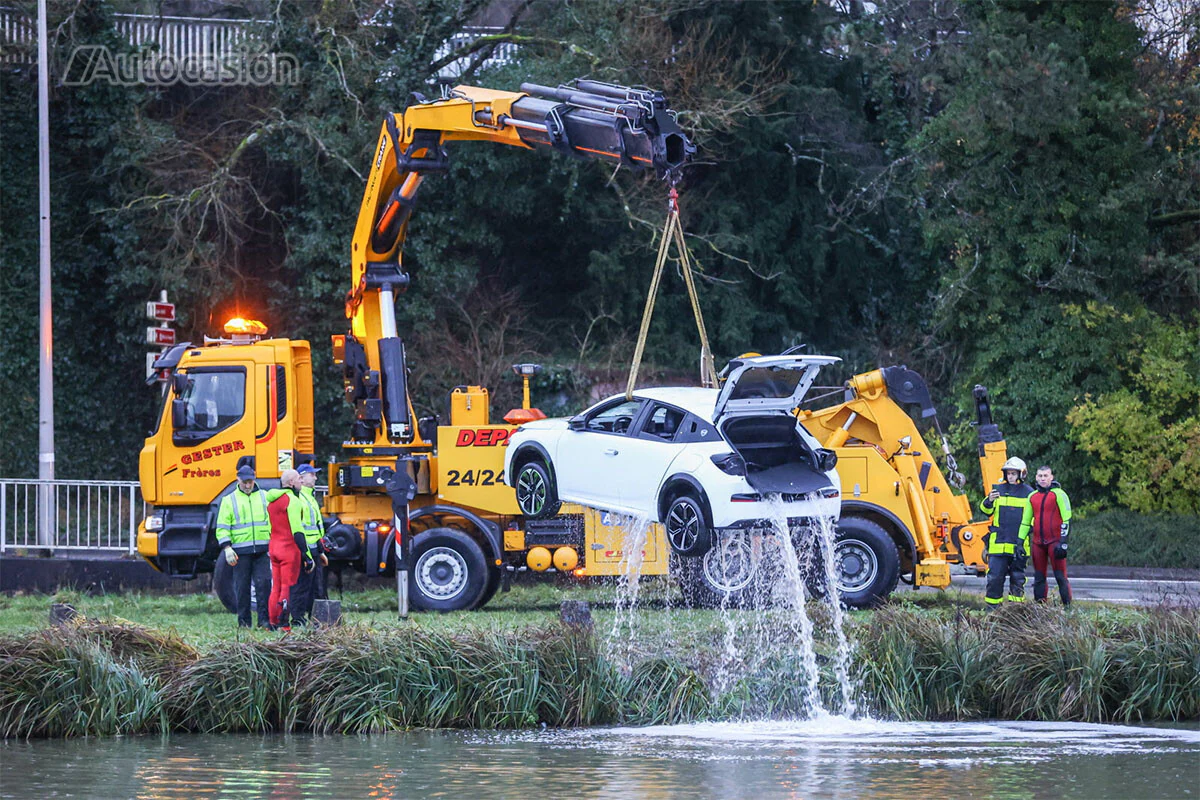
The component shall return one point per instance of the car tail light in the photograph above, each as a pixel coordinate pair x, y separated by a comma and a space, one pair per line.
730, 463
745, 498
830, 493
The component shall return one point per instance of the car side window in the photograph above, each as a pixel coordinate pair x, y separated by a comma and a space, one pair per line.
614, 419
663, 423
694, 429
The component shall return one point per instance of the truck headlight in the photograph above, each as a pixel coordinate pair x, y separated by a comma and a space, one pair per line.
154, 522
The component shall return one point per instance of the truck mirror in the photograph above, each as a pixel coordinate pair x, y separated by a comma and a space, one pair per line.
179, 382
179, 414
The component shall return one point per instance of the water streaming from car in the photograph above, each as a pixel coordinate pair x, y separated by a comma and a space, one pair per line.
780, 619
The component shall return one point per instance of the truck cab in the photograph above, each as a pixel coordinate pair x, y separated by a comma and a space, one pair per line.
232, 401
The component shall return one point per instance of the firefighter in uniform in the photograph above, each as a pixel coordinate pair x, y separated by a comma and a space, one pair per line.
309, 583
1012, 517
1051, 524
244, 534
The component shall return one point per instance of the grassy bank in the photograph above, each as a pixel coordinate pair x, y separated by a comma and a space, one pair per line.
942, 660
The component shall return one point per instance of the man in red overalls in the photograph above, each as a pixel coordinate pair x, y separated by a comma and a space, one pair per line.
1051, 523
288, 548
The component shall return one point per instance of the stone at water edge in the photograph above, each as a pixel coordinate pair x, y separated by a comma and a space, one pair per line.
62, 613
576, 614
327, 612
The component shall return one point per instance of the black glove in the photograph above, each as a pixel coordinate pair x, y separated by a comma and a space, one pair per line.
1060, 550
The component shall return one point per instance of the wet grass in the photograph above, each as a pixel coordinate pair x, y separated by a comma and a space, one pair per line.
148, 663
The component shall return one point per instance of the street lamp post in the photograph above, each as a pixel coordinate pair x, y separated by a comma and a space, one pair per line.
46, 515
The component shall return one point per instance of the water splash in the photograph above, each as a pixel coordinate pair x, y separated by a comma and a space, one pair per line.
826, 533
623, 636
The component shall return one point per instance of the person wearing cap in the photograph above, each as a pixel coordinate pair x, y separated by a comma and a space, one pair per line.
244, 535
289, 548
309, 584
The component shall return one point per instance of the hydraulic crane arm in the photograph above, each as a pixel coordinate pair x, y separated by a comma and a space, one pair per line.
590, 120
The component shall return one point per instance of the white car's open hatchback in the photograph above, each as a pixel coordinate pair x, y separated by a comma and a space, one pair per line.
696, 460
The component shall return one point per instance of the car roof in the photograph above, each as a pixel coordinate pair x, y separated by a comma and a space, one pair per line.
693, 399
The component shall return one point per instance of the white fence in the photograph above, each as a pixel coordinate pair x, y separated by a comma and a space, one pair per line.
79, 515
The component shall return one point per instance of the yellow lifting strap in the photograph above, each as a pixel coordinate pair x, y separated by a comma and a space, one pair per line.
673, 232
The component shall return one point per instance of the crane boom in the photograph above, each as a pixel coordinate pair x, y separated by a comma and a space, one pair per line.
589, 120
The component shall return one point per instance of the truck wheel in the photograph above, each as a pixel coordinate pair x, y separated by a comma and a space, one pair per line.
222, 584
723, 577
493, 585
686, 527
866, 562
536, 493
449, 571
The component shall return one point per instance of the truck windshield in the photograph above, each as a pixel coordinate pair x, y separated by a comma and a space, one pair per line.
215, 400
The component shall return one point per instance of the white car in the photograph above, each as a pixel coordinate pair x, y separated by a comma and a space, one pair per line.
696, 460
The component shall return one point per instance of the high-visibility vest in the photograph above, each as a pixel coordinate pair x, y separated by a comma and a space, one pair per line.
313, 522
242, 519
1012, 519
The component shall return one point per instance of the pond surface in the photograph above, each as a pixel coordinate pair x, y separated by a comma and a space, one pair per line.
831, 757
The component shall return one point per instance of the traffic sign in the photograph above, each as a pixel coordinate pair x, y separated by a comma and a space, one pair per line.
163, 312
163, 337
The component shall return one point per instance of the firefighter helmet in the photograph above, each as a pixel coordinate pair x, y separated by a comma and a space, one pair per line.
1017, 464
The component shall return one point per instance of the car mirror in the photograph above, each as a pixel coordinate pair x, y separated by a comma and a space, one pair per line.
179, 382
576, 423
179, 414
826, 459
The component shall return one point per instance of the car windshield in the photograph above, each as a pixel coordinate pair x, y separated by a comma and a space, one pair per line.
215, 400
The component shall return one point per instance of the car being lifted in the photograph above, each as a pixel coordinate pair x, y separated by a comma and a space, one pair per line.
700, 461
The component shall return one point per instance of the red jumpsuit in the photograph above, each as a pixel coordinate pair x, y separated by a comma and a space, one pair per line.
284, 550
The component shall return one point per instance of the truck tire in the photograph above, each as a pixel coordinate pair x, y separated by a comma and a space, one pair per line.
724, 577
537, 496
449, 573
867, 562
686, 526
222, 584
493, 585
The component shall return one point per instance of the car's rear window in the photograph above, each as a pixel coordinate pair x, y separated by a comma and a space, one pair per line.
766, 382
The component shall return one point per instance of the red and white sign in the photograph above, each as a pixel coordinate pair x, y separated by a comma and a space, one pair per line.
162, 337
163, 312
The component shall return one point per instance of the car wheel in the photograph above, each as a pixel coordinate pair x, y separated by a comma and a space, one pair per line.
725, 576
450, 572
686, 528
537, 496
866, 562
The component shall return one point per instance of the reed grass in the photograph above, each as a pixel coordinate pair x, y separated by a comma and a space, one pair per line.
952, 662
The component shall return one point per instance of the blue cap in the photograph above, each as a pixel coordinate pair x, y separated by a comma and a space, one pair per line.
307, 469
245, 473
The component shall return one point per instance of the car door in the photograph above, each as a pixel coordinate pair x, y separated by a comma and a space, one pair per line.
585, 463
644, 458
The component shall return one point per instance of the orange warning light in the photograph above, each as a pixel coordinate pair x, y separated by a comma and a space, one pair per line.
251, 327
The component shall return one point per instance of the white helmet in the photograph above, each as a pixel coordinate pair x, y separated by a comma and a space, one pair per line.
1016, 464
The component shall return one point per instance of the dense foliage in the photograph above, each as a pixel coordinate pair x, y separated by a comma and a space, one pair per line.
1002, 193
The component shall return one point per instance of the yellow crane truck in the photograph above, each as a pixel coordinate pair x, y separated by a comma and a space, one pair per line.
420, 499
425, 499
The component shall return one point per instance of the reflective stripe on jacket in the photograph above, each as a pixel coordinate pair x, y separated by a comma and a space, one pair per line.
242, 519
1012, 519
314, 523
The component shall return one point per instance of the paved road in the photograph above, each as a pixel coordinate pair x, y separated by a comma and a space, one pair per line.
1145, 592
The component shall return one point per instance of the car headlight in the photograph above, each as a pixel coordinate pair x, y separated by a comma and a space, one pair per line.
154, 522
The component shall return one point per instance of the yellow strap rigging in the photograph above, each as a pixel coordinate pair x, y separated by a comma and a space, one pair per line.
673, 232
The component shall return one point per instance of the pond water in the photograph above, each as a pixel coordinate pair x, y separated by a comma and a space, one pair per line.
831, 757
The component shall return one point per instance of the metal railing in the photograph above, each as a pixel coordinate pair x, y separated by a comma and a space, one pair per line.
78, 515
505, 52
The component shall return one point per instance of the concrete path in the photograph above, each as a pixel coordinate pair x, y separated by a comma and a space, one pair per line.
1145, 591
